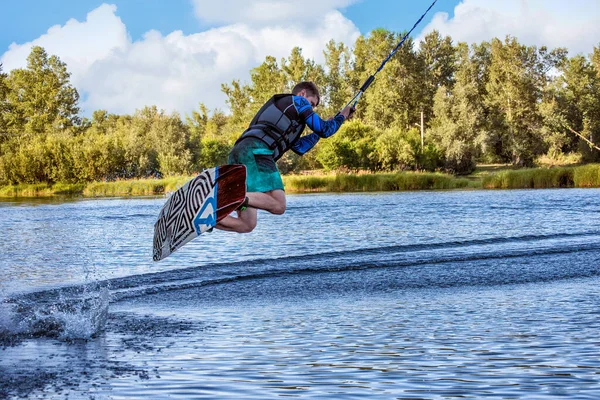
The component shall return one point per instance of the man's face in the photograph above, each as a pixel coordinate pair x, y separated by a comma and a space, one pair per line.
312, 99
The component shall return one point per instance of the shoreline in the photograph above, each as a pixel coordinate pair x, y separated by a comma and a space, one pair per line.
583, 176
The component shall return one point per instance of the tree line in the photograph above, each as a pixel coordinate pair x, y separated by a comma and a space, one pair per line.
498, 101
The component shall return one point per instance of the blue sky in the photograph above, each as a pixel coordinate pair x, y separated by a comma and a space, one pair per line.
25, 20
125, 54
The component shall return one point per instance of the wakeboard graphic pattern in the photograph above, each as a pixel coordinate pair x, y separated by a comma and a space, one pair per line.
197, 207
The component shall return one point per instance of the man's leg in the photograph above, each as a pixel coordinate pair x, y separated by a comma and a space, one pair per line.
272, 201
244, 223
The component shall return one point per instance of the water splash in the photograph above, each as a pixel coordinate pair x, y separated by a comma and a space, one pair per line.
68, 313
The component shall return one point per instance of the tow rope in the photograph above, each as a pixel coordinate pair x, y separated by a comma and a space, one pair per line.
371, 78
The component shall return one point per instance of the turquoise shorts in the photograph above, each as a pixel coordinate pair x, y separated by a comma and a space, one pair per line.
262, 174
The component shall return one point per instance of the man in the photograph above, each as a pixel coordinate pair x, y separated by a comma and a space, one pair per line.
276, 128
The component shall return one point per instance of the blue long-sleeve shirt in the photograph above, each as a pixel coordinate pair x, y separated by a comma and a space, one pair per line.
320, 127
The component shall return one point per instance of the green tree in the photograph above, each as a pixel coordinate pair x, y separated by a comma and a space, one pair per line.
595, 57
149, 143
357, 73
336, 89
459, 126
196, 124
517, 77
213, 152
437, 56
392, 101
99, 155
453, 130
294, 163
60, 165
238, 100
103, 121
397, 150
4, 107
350, 148
574, 102
315, 73
267, 80
41, 96
25, 161
294, 69
298, 69
169, 137
216, 124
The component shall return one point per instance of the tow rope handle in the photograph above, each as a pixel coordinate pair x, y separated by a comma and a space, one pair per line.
371, 78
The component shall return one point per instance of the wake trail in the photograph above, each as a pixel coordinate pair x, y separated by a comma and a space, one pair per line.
81, 310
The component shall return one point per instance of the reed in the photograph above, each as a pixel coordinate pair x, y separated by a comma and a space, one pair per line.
139, 187
562, 177
582, 176
41, 189
587, 176
379, 182
531, 178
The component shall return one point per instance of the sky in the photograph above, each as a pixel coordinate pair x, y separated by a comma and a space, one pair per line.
125, 54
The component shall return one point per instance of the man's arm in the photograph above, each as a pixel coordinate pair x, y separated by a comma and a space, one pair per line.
319, 126
305, 143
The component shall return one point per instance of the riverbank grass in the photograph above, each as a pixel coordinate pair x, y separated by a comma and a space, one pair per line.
587, 176
535, 178
140, 187
373, 182
584, 176
42, 189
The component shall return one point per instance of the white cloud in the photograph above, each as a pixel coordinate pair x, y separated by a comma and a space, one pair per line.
553, 23
176, 71
265, 11
79, 44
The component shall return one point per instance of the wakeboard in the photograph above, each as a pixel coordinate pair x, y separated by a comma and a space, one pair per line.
198, 206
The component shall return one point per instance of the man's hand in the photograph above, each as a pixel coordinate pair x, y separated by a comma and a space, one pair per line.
347, 112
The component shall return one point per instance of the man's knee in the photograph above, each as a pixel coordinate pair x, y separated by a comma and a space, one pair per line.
279, 209
279, 197
247, 227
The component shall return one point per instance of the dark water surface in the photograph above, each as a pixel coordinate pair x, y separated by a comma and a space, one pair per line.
426, 295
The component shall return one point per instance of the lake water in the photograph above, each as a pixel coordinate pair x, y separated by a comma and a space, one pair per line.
413, 295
